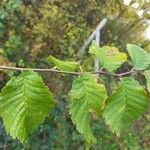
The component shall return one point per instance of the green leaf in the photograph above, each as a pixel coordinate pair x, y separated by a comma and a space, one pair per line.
64, 65
86, 96
140, 58
127, 103
109, 57
147, 76
24, 103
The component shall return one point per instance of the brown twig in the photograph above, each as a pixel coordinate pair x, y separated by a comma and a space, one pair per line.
38, 70
114, 74
65, 72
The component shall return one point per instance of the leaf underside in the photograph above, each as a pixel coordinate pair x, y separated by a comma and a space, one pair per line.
109, 57
24, 103
86, 96
127, 103
140, 58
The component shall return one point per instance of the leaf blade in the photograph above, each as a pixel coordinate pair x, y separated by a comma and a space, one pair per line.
109, 57
64, 65
83, 101
127, 103
140, 58
24, 104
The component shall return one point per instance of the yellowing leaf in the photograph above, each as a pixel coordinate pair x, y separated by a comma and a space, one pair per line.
109, 57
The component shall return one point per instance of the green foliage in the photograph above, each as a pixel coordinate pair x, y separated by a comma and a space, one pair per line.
126, 104
24, 103
60, 28
30, 30
13, 46
140, 58
86, 96
28, 101
13, 4
64, 65
147, 76
109, 57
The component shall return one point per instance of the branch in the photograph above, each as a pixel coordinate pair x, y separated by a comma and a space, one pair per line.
38, 70
65, 72
114, 74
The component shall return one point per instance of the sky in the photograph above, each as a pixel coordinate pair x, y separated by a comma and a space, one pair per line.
147, 33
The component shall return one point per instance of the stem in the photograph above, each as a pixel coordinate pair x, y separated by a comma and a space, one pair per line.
66, 72
114, 74
39, 70
126, 73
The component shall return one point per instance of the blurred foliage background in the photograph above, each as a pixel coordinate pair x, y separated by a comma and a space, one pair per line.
30, 30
